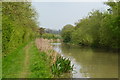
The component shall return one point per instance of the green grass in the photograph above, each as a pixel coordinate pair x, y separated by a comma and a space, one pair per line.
12, 63
40, 64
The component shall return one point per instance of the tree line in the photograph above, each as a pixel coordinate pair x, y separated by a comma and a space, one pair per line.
19, 25
98, 29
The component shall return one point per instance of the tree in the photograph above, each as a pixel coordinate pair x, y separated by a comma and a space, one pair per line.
18, 23
66, 33
98, 29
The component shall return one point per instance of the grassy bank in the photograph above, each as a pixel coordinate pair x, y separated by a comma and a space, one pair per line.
39, 66
12, 63
26, 62
59, 65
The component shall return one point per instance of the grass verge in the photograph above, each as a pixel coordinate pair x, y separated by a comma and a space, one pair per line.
40, 63
12, 63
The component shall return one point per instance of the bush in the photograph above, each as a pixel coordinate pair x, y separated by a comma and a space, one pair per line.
18, 25
50, 36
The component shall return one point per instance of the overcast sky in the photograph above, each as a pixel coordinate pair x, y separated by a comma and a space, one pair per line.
55, 15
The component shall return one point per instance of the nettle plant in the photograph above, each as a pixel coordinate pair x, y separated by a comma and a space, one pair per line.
62, 65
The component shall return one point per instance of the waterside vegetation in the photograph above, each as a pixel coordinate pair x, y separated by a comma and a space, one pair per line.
98, 29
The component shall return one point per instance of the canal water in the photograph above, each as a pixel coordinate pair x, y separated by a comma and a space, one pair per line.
89, 62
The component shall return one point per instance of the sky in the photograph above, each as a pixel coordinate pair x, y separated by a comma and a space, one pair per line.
55, 15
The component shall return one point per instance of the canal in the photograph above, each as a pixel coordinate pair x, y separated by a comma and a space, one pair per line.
89, 62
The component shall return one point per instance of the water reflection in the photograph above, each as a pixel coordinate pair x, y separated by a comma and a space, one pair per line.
90, 63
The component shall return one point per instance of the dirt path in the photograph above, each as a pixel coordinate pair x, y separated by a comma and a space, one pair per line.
25, 70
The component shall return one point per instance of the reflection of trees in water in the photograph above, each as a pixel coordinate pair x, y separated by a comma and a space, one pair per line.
94, 63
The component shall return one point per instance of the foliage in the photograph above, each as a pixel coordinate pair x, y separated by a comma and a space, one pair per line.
66, 33
61, 65
41, 31
18, 25
50, 36
98, 29
52, 31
